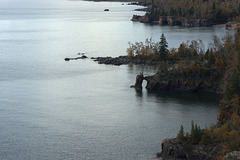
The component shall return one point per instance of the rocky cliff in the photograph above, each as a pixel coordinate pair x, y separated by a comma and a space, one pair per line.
173, 21
139, 81
173, 149
142, 19
181, 21
233, 25
204, 81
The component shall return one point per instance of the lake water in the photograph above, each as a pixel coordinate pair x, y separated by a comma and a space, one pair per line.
53, 109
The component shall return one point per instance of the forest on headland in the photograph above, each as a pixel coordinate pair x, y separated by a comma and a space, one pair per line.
192, 67
218, 11
191, 59
190, 13
223, 55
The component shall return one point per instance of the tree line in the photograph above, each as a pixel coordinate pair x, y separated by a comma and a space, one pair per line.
223, 55
227, 133
218, 11
187, 55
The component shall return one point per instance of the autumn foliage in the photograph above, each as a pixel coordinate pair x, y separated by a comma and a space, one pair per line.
225, 53
218, 11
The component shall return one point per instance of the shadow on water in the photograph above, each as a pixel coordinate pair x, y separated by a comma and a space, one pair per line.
176, 97
185, 98
139, 93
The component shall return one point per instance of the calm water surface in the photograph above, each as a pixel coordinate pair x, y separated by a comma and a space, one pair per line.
52, 109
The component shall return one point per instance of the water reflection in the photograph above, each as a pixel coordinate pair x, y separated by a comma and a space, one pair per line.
185, 98
147, 70
139, 93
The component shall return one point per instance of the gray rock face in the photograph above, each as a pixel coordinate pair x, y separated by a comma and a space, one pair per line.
139, 80
138, 83
82, 57
193, 82
235, 155
172, 149
181, 21
232, 25
113, 61
173, 21
121, 60
142, 19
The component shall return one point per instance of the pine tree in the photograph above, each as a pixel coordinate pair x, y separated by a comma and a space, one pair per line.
196, 133
180, 135
163, 45
211, 58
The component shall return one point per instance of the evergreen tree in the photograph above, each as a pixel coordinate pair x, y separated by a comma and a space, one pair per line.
191, 11
213, 6
239, 9
196, 133
180, 135
163, 45
179, 11
233, 87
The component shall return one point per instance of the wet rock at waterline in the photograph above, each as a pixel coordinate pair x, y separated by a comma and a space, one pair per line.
138, 83
82, 57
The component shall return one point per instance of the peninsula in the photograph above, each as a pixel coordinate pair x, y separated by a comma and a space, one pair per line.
190, 68
191, 13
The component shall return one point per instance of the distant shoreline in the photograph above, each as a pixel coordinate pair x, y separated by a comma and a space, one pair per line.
171, 20
185, 22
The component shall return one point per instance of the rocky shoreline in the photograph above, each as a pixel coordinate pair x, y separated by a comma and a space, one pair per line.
123, 60
173, 149
173, 21
205, 80
232, 25
180, 21
213, 81
195, 82
76, 58
210, 80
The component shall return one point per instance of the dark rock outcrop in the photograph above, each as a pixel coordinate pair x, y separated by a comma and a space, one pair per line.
173, 149
138, 18
232, 25
82, 57
142, 19
181, 21
173, 21
106, 10
138, 83
142, 9
204, 82
121, 60
113, 61
235, 155
208, 80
